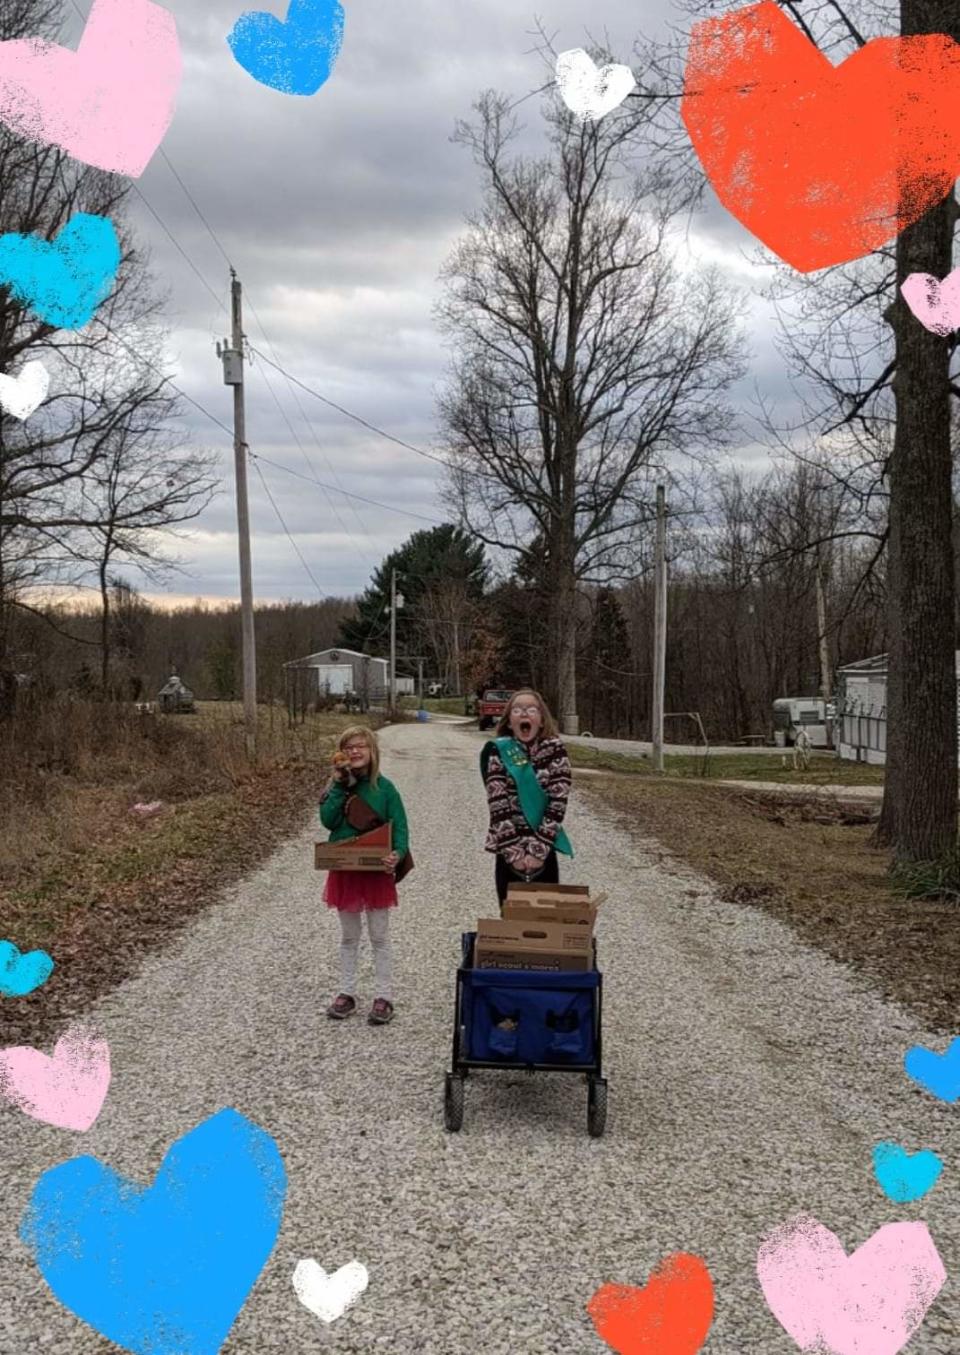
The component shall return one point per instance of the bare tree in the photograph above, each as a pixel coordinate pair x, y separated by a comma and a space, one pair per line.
581, 355
139, 488
880, 389
69, 473
448, 616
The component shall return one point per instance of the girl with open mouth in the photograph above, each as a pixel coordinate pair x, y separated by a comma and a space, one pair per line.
527, 775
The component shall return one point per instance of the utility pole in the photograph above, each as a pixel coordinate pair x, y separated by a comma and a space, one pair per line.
659, 630
393, 640
823, 641
232, 355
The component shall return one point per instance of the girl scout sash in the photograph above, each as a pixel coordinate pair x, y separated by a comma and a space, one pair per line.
532, 796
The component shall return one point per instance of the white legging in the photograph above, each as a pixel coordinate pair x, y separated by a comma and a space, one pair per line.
378, 929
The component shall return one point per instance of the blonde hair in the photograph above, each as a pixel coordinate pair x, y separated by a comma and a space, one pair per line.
363, 732
548, 725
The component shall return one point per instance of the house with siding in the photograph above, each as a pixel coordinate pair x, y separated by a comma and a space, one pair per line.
861, 721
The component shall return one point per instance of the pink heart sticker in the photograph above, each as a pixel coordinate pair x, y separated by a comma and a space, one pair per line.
110, 102
67, 1090
870, 1303
935, 304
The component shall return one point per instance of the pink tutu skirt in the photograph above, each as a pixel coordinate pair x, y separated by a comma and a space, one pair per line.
354, 891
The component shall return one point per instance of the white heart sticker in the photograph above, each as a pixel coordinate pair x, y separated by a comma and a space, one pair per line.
21, 395
590, 91
329, 1296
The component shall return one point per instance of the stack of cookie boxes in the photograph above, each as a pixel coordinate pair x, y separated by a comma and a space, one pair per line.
543, 927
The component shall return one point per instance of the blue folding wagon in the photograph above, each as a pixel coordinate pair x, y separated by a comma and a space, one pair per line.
539, 1021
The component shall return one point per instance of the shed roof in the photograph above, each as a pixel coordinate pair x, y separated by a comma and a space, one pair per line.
877, 663
331, 655
173, 685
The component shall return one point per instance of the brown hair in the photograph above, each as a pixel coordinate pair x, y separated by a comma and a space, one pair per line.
362, 732
548, 725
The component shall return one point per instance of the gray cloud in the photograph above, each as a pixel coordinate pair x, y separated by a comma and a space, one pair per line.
338, 212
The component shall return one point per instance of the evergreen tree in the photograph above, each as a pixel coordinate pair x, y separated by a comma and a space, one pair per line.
427, 558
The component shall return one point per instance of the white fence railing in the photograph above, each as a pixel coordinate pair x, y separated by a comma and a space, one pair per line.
862, 733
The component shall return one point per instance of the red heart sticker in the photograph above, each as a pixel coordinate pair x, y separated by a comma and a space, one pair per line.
821, 163
670, 1315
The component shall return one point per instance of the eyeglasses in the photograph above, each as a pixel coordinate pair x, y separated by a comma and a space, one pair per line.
356, 748
525, 710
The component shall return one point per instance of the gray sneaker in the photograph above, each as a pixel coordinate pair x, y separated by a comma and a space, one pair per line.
381, 1012
341, 1007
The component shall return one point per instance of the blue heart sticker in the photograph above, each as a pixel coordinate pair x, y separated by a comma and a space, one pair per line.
296, 56
20, 974
166, 1268
63, 280
904, 1176
938, 1073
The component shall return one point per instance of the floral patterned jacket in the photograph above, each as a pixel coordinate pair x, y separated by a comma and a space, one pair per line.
510, 835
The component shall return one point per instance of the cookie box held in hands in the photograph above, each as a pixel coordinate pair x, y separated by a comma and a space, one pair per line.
365, 852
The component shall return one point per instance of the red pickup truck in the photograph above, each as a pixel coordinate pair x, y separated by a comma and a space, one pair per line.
491, 706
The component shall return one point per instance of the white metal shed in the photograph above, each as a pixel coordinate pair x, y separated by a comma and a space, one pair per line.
861, 727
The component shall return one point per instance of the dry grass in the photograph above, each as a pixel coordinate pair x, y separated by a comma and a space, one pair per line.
824, 769
84, 878
811, 865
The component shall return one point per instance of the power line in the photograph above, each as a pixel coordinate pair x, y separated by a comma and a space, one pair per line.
167, 380
177, 245
193, 203
400, 442
296, 438
283, 414
357, 418
266, 487
316, 439
374, 503
219, 245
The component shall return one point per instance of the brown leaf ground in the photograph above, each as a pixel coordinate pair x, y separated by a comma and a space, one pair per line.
104, 888
811, 865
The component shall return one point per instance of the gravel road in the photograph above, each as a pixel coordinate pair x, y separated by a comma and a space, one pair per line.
749, 1079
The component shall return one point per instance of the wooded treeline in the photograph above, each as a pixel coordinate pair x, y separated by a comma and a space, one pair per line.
742, 630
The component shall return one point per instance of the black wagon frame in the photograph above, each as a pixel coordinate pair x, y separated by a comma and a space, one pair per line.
592, 1073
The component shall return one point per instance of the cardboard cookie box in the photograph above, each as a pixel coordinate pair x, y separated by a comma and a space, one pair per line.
365, 852
544, 927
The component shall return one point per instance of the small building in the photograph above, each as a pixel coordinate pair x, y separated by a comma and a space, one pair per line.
861, 720
175, 698
345, 672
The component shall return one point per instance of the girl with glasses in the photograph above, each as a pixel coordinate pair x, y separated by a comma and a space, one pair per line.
527, 775
356, 799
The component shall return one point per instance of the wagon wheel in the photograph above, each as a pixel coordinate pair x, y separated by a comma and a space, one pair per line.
452, 1102
596, 1107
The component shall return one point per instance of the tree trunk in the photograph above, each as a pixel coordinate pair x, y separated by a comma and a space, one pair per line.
919, 814
104, 629
563, 637
567, 658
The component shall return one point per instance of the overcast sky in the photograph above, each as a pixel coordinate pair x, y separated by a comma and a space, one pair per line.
337, 212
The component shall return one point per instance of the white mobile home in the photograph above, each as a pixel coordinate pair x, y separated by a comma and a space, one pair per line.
809, 713
862, 709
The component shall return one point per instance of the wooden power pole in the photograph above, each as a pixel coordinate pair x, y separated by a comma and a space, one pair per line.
823, 640
232, 356
393, 640
659, 630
